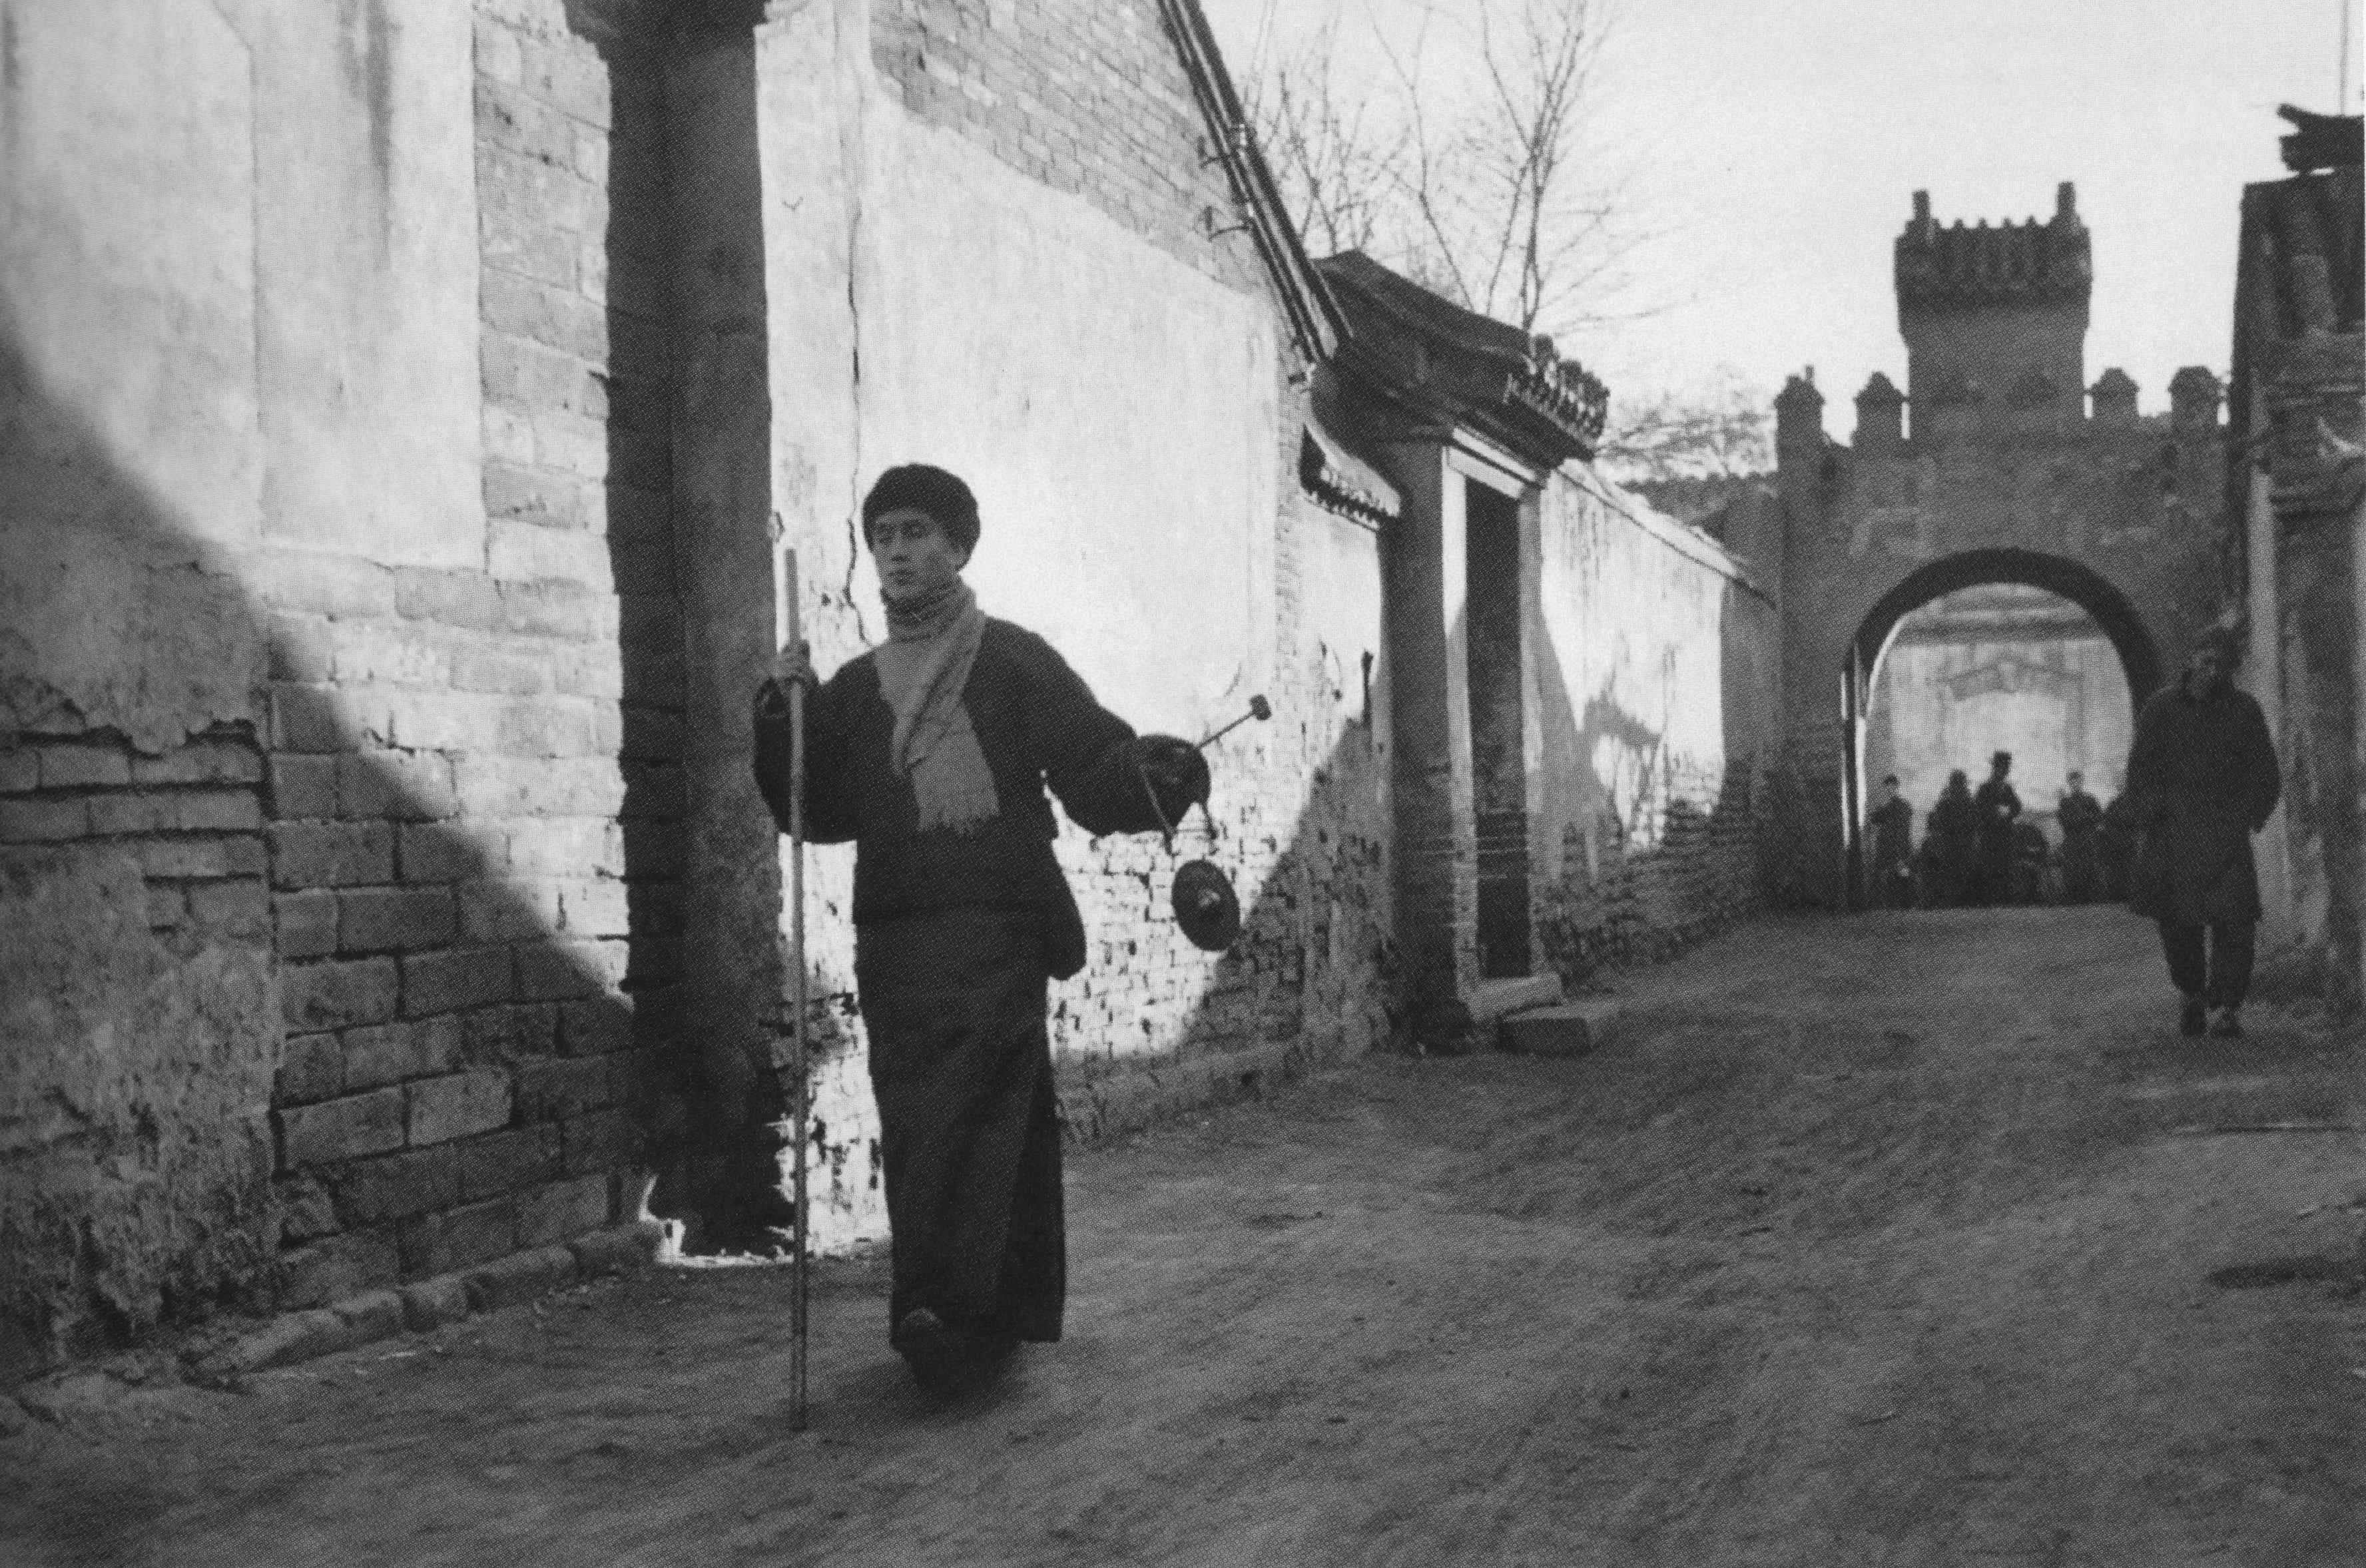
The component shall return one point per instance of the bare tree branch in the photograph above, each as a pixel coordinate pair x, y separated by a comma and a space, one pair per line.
1478, 187
1725, 432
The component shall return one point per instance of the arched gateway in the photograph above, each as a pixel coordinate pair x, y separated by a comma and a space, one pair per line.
2007, 474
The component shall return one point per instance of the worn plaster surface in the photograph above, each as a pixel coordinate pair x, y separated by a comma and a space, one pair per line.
1115, 409
135, 1148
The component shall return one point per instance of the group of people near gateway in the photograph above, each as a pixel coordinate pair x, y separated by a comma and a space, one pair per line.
2175, 844
932, 754
1978, 847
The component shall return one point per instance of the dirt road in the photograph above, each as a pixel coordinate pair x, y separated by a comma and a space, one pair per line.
1903, 1239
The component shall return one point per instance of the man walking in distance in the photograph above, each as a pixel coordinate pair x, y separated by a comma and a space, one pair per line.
2202, 778
1893, 849
2081, 816
1999, 804
931, 753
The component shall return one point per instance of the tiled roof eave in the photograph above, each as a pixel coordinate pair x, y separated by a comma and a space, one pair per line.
1446, 365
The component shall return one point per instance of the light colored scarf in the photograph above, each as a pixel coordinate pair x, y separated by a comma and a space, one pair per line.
924, 668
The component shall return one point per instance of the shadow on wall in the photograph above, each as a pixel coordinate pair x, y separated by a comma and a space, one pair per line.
1314, 971
309, 909
1669, 870
1311, 981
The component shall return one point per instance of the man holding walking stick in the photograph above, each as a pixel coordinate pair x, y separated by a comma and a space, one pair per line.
932, 753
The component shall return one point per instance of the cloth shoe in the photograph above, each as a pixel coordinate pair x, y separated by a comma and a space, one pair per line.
2229, 1024
935, 1353
2192, 1019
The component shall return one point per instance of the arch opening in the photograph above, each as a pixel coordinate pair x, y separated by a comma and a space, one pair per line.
2040, 616
2081, 585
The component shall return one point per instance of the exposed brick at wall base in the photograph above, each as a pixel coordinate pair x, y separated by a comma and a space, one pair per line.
1642, 903
473, 768
352, 819
137, 1005
1309, 969
465, 759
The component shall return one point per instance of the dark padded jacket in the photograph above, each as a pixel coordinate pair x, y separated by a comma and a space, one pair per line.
1037, 723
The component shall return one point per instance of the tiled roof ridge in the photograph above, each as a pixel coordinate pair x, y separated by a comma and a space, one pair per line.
1487, 370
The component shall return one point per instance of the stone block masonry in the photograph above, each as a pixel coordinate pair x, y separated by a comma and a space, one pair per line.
322, 819
445, 782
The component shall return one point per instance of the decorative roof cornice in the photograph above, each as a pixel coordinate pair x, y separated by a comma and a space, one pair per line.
1446, 365
1336, 489
2293, 389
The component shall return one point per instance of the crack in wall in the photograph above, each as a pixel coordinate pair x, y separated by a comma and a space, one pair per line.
855, 62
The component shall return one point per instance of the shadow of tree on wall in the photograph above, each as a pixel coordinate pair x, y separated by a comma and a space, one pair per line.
1671, 869
1659, 876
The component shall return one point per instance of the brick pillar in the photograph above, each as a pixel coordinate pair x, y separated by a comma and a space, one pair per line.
1436, 864
722, 500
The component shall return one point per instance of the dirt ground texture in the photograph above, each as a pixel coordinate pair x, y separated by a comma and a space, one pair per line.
1902, 1239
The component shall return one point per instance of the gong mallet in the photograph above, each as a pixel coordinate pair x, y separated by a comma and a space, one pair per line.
801, 1113
1258, 708
1205, 907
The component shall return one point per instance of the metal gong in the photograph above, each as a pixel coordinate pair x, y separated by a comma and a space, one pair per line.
1205, 906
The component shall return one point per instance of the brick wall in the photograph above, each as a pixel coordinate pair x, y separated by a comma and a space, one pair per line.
1088, 99
1662, 774
1093, 100
457, 782
338, 846
1631, 900
190, 817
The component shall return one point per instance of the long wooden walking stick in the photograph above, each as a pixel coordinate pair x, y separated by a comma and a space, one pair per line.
802, 1102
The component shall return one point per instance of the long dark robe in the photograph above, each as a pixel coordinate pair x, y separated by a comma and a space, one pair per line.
1893, 833
1893, 853
961, 1065
1954, 828
1999, 805
2117, 843
2202, 778
2081, 816
956, 931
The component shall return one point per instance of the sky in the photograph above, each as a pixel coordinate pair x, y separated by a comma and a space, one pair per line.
1770, 150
